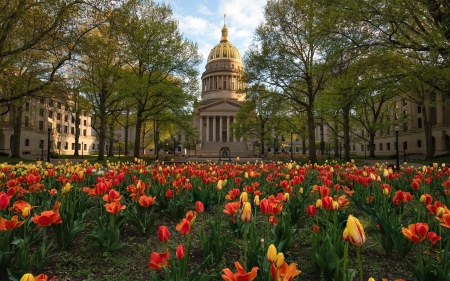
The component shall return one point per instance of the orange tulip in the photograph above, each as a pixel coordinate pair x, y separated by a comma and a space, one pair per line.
240, 275
416, 232
433, 237
14, 222
114, 207
19, 205
112, 196
199, 207
184, 227
285, 272
47, 218
232, 208
146, 201
159, 260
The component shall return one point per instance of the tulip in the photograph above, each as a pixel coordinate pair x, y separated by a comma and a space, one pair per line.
146, 201
180, 252
163, 234
114, 207
246, 214
4, 201
219, 185
279, 260
199, 207
244, 197
433, 238
264, 206
271, 253
25, 212
311, 210
416, 232
47, 218
355, 231
256, 200
240, 275
67, 188
27, 277
159, 260
184, 227
285, 272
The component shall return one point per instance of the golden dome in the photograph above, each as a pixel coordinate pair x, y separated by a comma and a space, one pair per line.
224, 49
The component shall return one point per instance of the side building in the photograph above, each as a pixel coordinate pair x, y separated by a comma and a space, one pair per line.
43, 118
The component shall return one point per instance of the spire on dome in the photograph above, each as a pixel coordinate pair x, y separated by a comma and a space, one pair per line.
224, 38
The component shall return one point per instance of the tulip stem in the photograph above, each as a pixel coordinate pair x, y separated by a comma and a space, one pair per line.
344, 277
245, 245
358, 254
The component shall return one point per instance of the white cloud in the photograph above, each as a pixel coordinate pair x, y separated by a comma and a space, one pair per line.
202, 9
192, 26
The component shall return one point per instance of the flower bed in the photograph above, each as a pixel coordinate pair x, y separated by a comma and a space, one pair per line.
198, 216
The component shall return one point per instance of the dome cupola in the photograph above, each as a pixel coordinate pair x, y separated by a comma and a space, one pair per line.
224, 49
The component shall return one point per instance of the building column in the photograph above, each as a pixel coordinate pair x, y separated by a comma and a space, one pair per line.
439, 109
234, 122
201, 128
220, 128
207, 128
214, 129
228, 128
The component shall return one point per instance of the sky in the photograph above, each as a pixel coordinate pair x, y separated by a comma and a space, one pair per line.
202, 20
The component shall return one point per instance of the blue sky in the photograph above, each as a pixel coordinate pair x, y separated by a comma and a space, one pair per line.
202, 20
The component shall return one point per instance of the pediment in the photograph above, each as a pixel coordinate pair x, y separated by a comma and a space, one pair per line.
222, 105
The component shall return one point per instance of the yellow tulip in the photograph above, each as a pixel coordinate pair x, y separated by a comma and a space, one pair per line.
67, 188
219, 184
246, 214
280, 260
244, 197
25, 212
319, 203
371, 279
271, 254
256, 200
27, 277
355, 231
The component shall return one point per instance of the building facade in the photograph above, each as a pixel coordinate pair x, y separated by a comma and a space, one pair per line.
43, 118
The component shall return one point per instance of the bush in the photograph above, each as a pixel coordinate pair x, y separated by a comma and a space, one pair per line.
4, 154
54, 155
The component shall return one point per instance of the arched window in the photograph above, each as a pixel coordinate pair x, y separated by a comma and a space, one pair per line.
232, 66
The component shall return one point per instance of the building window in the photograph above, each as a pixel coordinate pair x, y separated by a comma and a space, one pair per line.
354, 147
381, 146
388, 146
58, 128
58, 116
388, 129
65, 129
27, 142
73, 119
66, 145
362, 147
396, 116
215, 87
41, 125
73, 146
84, 132
41, 143
224, 85
405, 112
404, 102
79, 146
419, 123
50, 114
27, 106
84, 146
93, 146
41, 100
58, 145
405, 127
419, 109
72, 130
84, 122
419, 143
405, 145
41, 112
51, 102
396, 104
232, 86
59, 105
66, 118
27, 121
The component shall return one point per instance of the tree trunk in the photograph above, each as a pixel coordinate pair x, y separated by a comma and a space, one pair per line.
427, 128
303, 145
346, 119
77, 130
137, 140
336, 140
17, 129
371, 145
127, 126
111, 140
311, 136
322, 143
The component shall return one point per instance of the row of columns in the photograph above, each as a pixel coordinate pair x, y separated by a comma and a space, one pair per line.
213, 136
216, 81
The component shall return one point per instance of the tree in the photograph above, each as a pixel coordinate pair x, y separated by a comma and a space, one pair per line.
290, 52
161, 64
259, 116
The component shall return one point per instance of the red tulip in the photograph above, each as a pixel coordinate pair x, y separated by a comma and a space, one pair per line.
4, 201
199, 207
163, 234
433, 237
311, 210
184, 227
146, 201
264, 206
47, 218
180, 252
